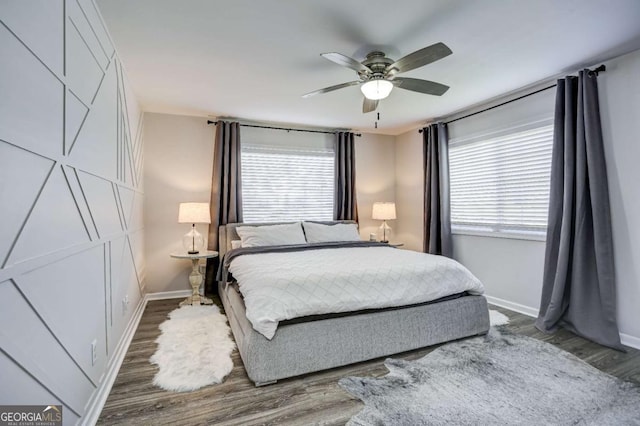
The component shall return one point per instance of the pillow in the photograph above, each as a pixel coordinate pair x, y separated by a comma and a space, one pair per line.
235, 244
271, 235
319, 233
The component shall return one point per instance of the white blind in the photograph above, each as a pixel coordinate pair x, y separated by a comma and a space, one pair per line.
501, 183
285, 184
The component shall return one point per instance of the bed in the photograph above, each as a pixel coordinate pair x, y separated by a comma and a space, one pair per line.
312, 343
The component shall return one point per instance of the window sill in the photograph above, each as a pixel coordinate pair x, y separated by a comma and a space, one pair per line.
512, 235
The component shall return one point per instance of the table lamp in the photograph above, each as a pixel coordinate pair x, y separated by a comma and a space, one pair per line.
193, 213
384, 212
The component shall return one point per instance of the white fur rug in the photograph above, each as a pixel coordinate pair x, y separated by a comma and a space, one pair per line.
194, 349
497, 319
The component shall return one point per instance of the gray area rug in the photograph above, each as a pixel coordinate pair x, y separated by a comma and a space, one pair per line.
500, 379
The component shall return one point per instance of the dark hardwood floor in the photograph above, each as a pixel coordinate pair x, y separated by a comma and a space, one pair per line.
311, 399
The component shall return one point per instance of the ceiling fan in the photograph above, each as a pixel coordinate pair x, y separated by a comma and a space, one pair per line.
378, 74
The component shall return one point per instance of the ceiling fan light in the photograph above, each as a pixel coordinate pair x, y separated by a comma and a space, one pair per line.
376, 89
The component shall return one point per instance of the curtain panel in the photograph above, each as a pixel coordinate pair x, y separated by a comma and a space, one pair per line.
578, 290
226, 191
437, 206
345, 203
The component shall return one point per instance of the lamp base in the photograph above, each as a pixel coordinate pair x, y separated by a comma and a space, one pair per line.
193, 241
385, 231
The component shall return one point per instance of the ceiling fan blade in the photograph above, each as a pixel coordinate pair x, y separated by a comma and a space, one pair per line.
420, 58
346, 61
422, 86
369, 105
331, 88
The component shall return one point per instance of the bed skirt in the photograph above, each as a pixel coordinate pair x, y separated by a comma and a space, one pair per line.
305, 347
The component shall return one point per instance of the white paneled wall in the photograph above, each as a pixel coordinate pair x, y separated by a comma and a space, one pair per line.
71, 237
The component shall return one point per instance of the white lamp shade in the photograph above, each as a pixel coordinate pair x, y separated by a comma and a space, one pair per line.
384, 211
194, 213
376, 89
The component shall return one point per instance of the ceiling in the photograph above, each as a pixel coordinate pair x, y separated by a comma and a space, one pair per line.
254, 59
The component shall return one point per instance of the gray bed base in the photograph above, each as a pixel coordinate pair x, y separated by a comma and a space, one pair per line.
305, 347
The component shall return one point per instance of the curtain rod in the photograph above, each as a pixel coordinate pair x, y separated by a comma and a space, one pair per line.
283, 128
598, 70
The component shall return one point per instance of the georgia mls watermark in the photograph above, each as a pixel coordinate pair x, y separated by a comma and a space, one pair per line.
30, 415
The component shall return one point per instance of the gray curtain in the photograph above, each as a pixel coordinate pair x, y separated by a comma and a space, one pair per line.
346, 206
437, 213
226, 190
578, 290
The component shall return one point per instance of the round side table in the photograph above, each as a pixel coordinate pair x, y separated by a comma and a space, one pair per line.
195, 277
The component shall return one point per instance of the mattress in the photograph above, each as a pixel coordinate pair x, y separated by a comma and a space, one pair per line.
309, 318
288, 282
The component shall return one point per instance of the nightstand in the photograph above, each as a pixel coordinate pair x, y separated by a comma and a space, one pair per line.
195, 277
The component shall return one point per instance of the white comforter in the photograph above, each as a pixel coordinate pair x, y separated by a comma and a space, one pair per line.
281, 286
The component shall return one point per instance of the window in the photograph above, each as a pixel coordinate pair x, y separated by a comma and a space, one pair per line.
500, 182
281, 183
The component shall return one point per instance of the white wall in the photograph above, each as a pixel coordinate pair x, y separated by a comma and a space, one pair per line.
510, 269
409, 190
375, 179
619, 89
178, 168
71, 233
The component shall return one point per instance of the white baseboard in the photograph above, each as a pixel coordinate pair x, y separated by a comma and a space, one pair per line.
631, 341
100, 395
525, 310
626, 339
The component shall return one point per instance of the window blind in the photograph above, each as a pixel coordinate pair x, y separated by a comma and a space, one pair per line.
287, 184
501, 183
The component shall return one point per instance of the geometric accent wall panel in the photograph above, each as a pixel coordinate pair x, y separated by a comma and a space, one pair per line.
73, 164
102, 204
28, 341
55, 222
136, 240
76, 191
74, 114
116, 254
84, 73
90, 11
124, 282
25, 390
17, 198
61, 300
78, 20
96, 144
137, 218
126, 200
127, 163
133, 113
37, 23
31, 107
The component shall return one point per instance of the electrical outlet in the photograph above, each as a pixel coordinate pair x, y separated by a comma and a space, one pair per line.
94, 352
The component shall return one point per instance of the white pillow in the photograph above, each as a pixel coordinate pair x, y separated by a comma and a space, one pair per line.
271, 235
319, 233
236, 244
